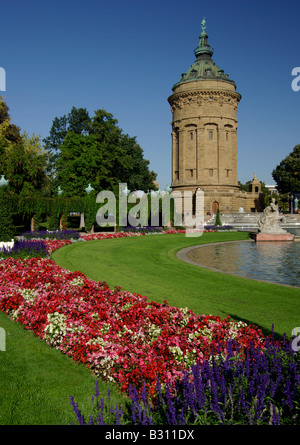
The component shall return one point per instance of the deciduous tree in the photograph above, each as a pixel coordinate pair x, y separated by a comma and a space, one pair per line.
22, 157
95, 151
287, 173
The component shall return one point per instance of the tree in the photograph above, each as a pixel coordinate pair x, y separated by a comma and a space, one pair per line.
136, 172
24, 166
77, 121
9, 133
22, 158
287, 173
95, 151
76, 166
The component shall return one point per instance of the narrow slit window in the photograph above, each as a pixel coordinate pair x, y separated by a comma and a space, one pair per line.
210, 172
210, 134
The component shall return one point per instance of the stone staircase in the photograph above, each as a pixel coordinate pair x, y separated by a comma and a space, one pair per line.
249, 221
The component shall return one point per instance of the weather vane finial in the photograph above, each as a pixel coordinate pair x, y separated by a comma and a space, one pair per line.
203, 24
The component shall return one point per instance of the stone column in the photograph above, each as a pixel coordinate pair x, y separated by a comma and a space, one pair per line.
224, 157
175, 155
234, 157
200, 154
181, 156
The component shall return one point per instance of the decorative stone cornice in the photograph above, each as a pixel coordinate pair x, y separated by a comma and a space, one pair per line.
182, 99
201, 125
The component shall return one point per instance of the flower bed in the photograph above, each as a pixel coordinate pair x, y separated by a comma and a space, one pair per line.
119, 335
127, 233
24, 249
112, 235
122, 337
43, 243
261, 389
56, 234
54, 244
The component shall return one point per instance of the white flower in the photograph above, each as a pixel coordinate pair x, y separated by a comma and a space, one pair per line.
29, 294
98, 341
154, 331
77, 282
126, 306
56, 330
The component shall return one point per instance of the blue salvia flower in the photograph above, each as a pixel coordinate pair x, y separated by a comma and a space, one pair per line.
261, 395
275, 417
99, 419
288, 394
57, 234
171, 411
199, 391
145, 418
27, 248
246, 391
159, 392
77, 412
139, 410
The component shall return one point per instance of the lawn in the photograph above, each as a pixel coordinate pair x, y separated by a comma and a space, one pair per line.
36, 381
148, 265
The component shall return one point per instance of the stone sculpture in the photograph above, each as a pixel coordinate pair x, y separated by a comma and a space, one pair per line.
271, 219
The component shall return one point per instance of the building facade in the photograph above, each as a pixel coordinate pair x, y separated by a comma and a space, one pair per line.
204, 108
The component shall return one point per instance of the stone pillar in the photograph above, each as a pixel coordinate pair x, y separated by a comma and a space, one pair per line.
175, 155
82, 222
181, 157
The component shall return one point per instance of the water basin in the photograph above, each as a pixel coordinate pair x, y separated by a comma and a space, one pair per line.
277, 262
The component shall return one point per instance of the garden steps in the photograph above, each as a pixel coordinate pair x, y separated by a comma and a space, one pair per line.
249, 221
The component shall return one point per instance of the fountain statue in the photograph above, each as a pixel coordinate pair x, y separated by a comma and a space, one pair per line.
269, 228
271, 219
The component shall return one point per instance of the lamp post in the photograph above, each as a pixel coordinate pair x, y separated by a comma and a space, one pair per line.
59, 192
89, 189
3, 181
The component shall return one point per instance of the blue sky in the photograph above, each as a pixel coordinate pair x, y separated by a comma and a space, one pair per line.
125, 56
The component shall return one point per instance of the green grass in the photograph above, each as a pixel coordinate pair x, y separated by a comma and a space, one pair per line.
36, 381
148, 265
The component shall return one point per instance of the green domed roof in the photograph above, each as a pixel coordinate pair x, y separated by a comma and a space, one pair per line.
204, 67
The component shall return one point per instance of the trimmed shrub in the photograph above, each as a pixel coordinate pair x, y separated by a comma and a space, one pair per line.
218, 219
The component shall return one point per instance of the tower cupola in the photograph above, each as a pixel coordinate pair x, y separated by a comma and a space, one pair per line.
204, 67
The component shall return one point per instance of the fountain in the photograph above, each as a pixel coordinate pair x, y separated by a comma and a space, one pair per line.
269, 228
